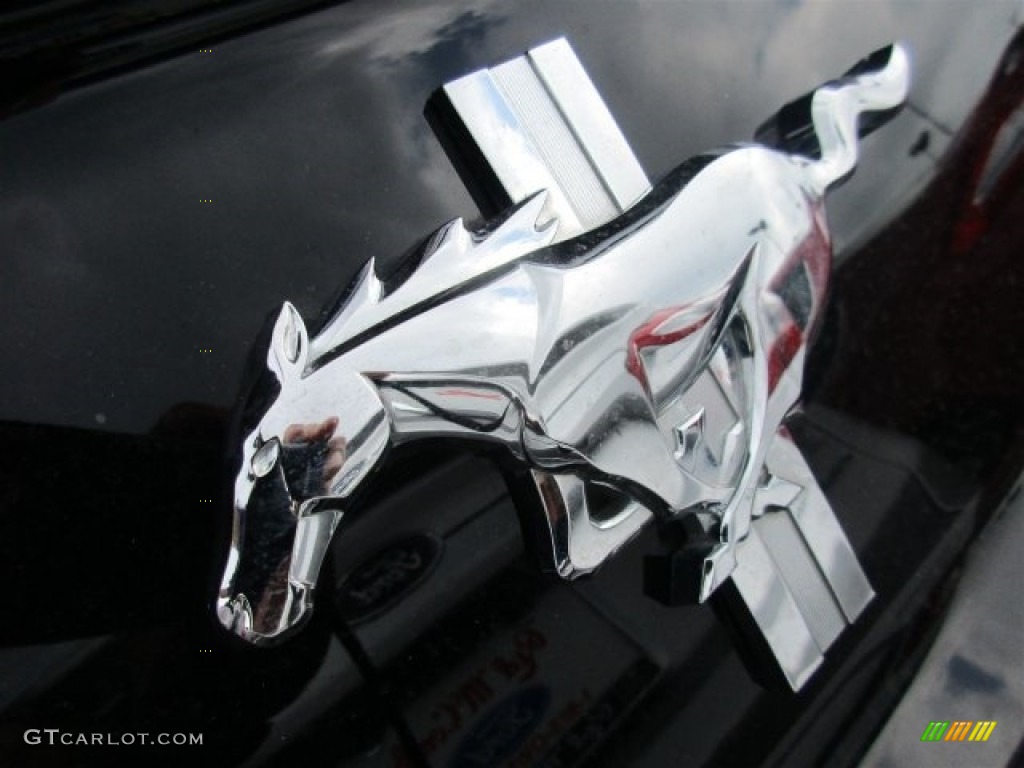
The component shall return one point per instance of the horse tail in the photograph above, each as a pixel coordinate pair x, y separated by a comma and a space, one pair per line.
828, 123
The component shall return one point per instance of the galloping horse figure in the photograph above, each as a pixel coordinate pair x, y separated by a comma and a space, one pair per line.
594, 361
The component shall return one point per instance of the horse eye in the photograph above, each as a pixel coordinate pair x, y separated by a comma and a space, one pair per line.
265, 457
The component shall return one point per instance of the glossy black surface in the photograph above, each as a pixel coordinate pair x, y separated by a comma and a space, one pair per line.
308, 138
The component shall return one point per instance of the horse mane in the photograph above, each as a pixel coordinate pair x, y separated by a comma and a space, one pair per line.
450, 261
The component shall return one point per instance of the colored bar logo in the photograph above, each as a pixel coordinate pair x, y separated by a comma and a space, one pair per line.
958, 730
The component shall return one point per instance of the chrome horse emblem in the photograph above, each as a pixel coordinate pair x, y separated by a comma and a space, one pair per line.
655, 357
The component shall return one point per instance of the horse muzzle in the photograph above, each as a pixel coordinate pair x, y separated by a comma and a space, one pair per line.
265, 602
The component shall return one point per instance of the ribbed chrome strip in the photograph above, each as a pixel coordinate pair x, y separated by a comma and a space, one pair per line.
797, 567
539, 123
545, 124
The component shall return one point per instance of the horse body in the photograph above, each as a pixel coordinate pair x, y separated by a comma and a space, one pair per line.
556, 341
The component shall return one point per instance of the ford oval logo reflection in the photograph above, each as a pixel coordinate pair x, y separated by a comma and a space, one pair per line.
388, 576
502, 730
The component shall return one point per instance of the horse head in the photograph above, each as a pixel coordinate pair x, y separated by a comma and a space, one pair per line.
300, 461
315, 425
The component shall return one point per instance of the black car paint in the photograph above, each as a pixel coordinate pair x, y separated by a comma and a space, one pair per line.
307, 136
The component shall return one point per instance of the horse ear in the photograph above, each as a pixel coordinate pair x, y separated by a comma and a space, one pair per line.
289, 344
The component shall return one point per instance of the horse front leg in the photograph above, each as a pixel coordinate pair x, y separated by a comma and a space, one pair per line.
598, 495
580, 540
